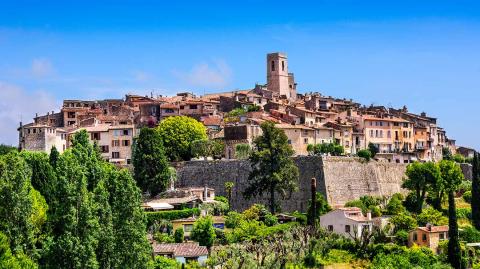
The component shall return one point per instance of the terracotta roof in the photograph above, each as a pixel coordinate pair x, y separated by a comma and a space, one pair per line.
172, 106
212, 121
393, 119
435, 229
290, 126
180, 249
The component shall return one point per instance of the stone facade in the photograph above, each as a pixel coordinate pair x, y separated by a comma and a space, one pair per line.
339, 179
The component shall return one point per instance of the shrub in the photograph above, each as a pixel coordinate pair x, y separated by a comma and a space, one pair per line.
467, 196
470, 235
395, 206
245, 231
178, 235
170, 215
222, 199
255, 212
233, 219
464, 213
163, 238
270, 220
364, 153
220, 237
300, 217
203, 231
403, 222
162, 262
336, 256
432, 216
375, 210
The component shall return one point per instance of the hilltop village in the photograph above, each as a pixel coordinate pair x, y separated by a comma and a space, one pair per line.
397, 135
259, 178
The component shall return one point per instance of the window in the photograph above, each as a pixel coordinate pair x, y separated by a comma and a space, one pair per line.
330, 228
193, 106
126, 132
273, 65
415, 237
187, 227
169, 110
424, 237
305, 141
125, 143
71, 115
95, 136
71, 123
289, 141
34, 131
283, 65
182, 107
442, 236
389, 134
371, 133
129, 161
104, 149
347, 228
116, 155
115, 143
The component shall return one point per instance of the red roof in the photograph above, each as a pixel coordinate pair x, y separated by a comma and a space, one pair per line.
180, 249
435, 229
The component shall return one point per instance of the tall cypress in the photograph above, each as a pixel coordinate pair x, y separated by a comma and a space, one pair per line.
454, 251
476, 191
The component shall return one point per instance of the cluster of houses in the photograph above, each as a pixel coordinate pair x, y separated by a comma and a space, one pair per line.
310, 118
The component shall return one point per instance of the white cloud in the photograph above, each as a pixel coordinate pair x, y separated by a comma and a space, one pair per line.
16, 104
42, 67
216, 74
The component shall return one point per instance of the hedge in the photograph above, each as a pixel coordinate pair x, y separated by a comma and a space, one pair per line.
170, 215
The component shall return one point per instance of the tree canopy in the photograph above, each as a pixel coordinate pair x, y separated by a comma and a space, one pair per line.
273, 170
178, 133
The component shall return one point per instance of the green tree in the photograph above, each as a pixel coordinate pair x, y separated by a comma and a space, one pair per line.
273, 169
5, 149
178, 133
447, 154
453, 176
132, 249
476, 191
8, 260
203, 231
18, 199
151, 168
364, 153
229, 189
373, 149
403, 222
207, 148
395, 206
178, 235
321, 207
43, 174
432, 216
53, 158
420, 178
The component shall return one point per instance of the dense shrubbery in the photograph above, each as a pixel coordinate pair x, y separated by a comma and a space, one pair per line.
326, 148
170, 215
364, 153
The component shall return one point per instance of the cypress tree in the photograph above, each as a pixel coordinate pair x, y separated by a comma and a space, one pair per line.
476, 191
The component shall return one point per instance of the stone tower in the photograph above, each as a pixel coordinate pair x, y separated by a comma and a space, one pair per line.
278, 78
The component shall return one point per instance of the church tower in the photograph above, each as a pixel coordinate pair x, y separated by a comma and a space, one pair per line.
278, 78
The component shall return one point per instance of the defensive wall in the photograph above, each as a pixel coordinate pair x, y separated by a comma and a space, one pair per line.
339, 179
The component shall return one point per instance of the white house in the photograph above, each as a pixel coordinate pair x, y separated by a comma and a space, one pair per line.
348, 221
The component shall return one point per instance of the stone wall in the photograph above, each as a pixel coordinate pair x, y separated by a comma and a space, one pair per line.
339, 179
467, 170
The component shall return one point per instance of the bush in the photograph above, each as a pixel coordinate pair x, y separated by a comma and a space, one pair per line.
364, 153
222, 199
246, 230
162, 262
403, 222
401, 237
432, 216
170, 215
255, 212
375, 210
270, 220
178, 235
464, 213
163, 238
467, 196
300, 217
233, 219
470, 235
203, 231
395, 206
220, 237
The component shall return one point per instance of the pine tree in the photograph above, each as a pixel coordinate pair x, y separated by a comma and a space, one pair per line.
273, 170
476, 191
53, 158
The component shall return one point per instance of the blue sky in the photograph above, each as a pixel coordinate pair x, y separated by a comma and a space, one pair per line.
425, 56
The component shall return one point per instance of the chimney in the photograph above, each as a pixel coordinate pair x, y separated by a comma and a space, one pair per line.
369, 215
429, 226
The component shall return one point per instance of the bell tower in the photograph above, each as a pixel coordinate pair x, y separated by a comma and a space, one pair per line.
278, 78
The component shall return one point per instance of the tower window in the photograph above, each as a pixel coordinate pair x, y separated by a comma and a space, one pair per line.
273, 65
283, 65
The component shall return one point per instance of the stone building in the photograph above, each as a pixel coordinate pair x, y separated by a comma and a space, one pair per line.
278, 78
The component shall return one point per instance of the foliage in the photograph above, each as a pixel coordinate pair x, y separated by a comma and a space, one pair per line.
395, 206
162, 262
215, 209
246, 230
327, 148
233, 219
420, 178
237, 112
470, 235
364, 153
43, 174
5, 149
273, 170
222, 199
458, 158
335, 256
164, 238
321, 207
403, 221
367, 204
467, 196
8, 260
476, 191
408, 258
373, 149
242, 151
177, 134
170, 215
464, 213
270, 220
255, 212
229, 188
203, 231
207, 148
151, 169
18, 199
432, 216
447, 153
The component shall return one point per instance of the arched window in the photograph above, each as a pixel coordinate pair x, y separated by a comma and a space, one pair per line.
273, 65
283, 65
